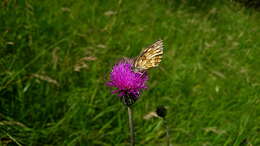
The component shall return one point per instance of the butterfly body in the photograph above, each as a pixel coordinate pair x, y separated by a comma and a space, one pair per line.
150, 57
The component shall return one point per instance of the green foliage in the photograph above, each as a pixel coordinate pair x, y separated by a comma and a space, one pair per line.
250, 3
55, 57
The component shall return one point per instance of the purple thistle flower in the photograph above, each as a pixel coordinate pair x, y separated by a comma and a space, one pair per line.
128, 83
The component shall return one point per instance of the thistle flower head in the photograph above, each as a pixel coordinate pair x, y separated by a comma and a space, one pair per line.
128, 83
161, 111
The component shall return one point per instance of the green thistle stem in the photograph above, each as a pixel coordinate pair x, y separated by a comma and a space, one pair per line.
131, 125
167, 132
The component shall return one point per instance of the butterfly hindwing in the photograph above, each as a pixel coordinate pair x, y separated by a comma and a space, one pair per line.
150, 57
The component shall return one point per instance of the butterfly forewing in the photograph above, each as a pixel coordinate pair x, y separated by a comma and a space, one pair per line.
150, 57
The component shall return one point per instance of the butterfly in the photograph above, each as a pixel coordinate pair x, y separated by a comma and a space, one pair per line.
149, 57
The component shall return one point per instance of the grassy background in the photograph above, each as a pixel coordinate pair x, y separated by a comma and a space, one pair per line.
56, 57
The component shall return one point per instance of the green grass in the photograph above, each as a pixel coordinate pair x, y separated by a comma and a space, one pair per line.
209, 78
